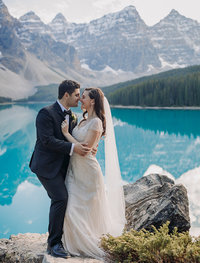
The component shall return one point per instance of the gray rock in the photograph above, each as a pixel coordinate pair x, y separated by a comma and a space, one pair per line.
155, 199
23, 248
49, 259
31, 248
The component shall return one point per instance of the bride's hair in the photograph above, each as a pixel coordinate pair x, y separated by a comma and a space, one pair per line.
98, 96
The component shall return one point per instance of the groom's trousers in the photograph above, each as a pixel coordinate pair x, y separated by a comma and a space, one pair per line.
57, 192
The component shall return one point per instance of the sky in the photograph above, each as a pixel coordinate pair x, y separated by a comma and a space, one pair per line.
81, 11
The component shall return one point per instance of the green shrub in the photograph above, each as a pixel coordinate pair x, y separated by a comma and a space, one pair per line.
158, 246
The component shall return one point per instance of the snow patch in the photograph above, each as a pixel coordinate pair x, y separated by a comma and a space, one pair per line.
150, 68
166, 64
107, 69
86, 66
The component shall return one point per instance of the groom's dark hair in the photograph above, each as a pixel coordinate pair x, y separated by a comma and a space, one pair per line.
68, 86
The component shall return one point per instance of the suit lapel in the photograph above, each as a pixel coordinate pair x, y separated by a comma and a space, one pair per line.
58, 110
70, 124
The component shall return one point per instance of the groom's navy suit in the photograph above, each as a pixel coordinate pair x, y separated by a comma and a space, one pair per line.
50, 161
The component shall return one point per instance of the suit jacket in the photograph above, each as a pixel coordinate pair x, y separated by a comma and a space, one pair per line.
51, 152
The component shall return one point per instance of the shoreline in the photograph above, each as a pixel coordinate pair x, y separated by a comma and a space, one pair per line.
156, 107
116, 106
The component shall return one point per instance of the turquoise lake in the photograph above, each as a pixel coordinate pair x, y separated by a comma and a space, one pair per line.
167, 139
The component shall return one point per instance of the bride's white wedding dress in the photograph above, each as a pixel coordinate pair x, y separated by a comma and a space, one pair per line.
87, 216
93, 211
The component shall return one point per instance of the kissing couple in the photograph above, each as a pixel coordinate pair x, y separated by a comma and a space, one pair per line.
84, 204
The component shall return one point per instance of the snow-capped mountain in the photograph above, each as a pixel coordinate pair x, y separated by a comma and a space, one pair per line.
123, 41
37, 39
59, 27
116, 47
31, 59
177, 40
117, 40
33, 22
12, 52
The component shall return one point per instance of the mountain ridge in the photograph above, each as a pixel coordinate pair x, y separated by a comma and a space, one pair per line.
116, 47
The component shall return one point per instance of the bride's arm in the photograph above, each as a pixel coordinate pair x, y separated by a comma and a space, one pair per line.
80, 148
66, 133
90, 139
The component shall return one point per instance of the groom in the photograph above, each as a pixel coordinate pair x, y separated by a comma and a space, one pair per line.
51, 155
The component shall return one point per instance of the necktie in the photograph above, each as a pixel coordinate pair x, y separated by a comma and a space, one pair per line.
69, 112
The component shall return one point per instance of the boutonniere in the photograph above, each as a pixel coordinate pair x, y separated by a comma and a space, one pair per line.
74, 117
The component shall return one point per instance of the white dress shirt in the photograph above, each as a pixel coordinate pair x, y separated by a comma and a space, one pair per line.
67, 119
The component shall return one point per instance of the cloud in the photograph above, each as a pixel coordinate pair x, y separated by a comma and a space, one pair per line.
155, 169
191, 180
2, 151
118, 122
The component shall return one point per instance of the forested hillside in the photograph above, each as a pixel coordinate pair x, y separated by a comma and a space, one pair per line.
179, 87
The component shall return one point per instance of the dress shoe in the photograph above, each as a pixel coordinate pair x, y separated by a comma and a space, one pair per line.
59, 251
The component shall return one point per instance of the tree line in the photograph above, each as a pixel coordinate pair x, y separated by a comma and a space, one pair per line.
180, 88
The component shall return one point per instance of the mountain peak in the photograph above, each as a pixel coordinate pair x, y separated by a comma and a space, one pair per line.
130, 7
4, 14
1, 4
30, 15
175, 17
59, 17
3, 7
130, 11
174, 13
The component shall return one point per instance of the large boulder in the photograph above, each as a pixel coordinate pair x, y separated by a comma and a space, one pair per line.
155, 199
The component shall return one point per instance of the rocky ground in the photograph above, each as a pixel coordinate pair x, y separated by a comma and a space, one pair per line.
31, 248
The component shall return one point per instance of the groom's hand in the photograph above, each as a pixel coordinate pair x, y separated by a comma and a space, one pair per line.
81, 149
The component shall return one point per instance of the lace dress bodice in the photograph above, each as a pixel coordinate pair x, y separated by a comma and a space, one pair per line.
80, 131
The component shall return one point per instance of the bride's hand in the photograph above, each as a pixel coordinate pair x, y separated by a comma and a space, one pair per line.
65, 127
94, 150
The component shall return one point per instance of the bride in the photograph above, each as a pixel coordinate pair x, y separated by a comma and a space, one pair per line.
92, 209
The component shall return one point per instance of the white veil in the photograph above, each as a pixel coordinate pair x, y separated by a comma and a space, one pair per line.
114, 185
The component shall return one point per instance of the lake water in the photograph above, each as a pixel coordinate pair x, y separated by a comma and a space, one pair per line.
146, 139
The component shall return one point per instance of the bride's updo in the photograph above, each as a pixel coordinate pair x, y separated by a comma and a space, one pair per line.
98, 96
